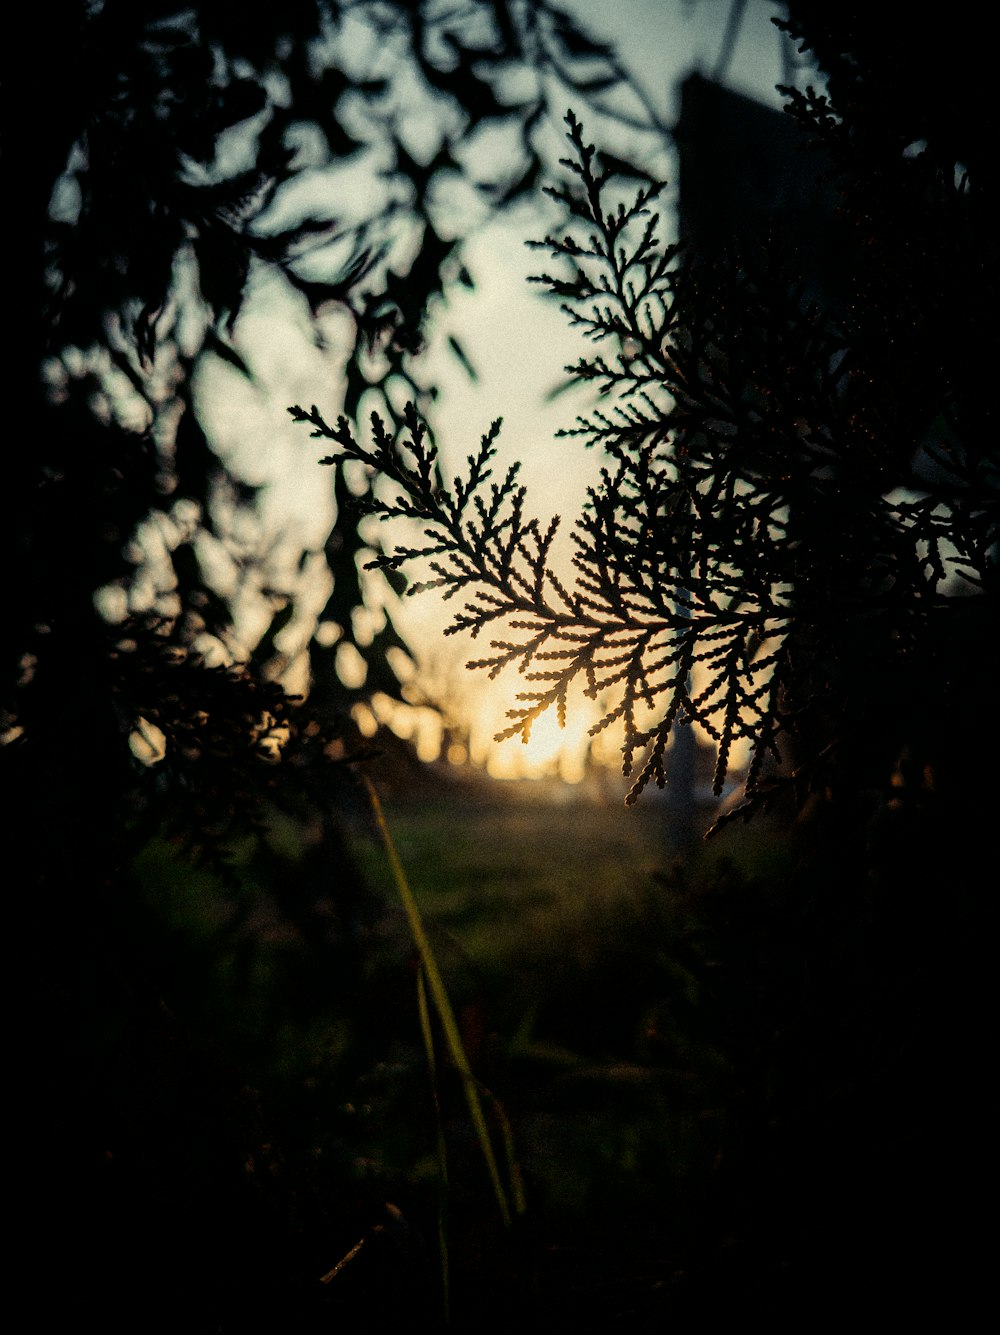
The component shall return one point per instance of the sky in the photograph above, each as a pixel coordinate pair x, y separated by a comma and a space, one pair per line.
519, 344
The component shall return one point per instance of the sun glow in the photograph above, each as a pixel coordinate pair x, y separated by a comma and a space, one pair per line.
547, 752
550, 752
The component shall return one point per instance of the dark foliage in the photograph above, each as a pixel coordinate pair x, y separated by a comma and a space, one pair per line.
181, 139
154, 191
800, 505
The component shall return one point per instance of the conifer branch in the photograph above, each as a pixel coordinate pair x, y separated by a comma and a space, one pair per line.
719, 559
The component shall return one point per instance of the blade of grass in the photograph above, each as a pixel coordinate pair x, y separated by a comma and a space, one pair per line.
513, 1166
442, 1004
442, 1148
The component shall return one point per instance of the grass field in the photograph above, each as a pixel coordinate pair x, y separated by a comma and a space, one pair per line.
582, 968
575, 970
503, 874
691, 1058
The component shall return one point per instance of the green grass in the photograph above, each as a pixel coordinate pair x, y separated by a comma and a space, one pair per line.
572, 986
503, 876
567, 959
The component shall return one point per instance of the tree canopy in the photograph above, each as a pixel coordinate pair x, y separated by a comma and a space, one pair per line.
797, 522
348, 148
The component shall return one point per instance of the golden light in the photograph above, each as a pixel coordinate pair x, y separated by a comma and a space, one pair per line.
549, 751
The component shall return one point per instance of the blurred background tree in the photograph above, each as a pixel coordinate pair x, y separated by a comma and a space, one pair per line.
189, 145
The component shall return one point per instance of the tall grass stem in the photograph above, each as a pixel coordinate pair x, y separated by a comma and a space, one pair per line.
442, 1147
442, 1004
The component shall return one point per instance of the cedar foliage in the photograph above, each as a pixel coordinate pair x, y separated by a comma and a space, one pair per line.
799, 506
